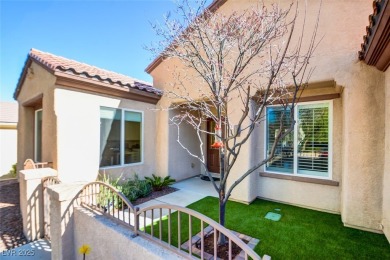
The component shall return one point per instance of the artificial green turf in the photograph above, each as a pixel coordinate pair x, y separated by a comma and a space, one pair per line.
299, 234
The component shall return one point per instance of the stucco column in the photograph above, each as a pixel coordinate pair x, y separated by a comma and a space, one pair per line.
31, 201
363, 155
61, 219
162, 142
386, 175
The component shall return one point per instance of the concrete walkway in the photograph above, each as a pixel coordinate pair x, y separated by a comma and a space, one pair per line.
190, 191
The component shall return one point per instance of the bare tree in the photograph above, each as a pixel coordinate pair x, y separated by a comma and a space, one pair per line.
242, 62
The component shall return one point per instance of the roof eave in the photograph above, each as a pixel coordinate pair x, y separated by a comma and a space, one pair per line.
23, 75
376, 46
157, 61
90, 85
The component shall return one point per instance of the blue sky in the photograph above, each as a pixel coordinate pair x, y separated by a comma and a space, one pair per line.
106, 34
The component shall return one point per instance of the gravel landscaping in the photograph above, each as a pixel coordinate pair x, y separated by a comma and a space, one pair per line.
11, 227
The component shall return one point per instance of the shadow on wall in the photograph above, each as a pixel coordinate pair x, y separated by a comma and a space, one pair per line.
62, 232
67, 221
34, 211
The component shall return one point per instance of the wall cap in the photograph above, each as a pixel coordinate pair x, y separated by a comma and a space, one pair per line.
40, 173
65, 191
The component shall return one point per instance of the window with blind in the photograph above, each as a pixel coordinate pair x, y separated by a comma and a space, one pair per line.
305, 151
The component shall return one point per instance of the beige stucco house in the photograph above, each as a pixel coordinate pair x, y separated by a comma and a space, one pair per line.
352, 176
81, 119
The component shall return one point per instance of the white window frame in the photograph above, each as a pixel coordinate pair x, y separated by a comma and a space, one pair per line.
35, 134
330, 144
122, 137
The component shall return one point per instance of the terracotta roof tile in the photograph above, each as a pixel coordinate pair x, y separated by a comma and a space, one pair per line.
57, 63
378, 6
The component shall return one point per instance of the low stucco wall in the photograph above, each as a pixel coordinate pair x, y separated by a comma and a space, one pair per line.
109, 240
71, 226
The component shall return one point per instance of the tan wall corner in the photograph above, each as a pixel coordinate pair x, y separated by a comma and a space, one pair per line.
386, 175
363, 153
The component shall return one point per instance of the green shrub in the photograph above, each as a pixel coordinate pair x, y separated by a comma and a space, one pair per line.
144, 188
133, 189
12, 172
131, 194
136, 188
158, 182
106, 196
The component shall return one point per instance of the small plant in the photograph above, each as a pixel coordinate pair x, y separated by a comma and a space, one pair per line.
144, 188
115, 183
12, 172
136, 188
131, 194
158, 182
106, 197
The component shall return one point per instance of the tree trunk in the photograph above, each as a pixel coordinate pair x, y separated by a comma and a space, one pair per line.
222, 203
222, 208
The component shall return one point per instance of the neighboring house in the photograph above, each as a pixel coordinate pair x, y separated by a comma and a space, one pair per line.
82, 119
8, 136
351, 175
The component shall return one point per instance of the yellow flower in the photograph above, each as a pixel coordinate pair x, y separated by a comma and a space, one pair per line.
85, 249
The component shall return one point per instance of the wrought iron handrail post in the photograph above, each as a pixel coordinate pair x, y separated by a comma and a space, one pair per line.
136, 221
